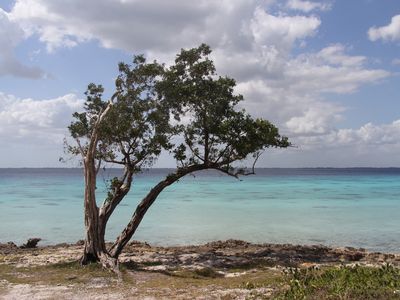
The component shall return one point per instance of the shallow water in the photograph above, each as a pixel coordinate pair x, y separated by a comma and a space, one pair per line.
337, 207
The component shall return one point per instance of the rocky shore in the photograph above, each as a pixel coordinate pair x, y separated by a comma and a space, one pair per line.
229, 269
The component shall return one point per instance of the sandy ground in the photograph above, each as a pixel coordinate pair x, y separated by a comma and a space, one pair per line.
220, 270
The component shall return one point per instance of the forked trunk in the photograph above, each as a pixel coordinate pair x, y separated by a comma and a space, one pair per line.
144, 205
95, 248
137, 217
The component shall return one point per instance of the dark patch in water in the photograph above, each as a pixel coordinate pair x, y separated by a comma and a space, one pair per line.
186, 200
322, 207
35, 196
12, 192
352, 195
56, 228
50, 204
318, 241
40, 184
336, 198
123, 204
23, 206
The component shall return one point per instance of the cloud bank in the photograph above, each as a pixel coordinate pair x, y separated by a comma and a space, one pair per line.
390, 32
10, 36
262, 48
307, 6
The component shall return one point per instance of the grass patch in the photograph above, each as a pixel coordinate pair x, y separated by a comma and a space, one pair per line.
343, 283
61, 273
152, 263
208, 272
201, 278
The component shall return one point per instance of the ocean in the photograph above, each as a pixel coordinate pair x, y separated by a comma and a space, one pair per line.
336, 207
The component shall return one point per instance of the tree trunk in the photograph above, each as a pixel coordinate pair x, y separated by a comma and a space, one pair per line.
144, 205
95, 247
94, 243
137, 217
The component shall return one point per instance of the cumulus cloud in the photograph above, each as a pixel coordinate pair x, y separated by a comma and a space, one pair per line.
307, 6
250, 43
10, 35
281, 31
130, 25
293, 99
396, 62
316, 120
36, 121
390, 32
384, 137
331, 70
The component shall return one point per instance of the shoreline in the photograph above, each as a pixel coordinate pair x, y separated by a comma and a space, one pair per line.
280, 253
231, 269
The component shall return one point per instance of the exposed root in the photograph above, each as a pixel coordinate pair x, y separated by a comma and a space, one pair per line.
110, 263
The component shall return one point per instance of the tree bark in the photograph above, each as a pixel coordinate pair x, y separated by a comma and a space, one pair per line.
145, 204
95, 248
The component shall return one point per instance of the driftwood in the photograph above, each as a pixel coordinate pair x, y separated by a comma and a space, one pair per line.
31, 243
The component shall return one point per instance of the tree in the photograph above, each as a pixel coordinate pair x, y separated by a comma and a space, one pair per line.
186, 109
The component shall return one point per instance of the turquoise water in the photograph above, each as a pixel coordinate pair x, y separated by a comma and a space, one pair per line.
337, 207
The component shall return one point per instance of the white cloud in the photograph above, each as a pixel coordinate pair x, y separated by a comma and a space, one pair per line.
130, 25
396, 62
307, 6
250, 44
383, 137
331, 70
316, 120
390, 32
292, 98
36, 121
10, 35
281, 31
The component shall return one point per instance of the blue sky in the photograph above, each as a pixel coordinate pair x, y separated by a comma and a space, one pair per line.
325, 72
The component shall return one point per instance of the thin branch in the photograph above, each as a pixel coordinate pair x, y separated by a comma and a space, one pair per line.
257, 156
222, 153
118, 162
191, 149
78, 142
225, 171
98, 166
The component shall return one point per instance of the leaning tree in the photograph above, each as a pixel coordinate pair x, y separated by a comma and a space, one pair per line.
186, 109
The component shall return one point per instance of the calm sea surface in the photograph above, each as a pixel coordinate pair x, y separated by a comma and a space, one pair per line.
337, 207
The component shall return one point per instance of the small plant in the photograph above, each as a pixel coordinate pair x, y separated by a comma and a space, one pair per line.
343, 283
207, 272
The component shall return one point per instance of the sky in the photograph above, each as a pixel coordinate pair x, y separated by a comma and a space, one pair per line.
327, 73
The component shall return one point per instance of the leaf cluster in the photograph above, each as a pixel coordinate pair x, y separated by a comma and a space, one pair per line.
204, 105
344, 283
136, 128
187, 109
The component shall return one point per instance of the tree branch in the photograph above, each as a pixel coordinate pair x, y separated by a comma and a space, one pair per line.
78, 142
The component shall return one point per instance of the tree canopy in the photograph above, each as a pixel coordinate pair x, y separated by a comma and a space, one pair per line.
186, 109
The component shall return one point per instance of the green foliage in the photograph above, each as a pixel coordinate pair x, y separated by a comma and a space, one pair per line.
136, 128
207, 272
186, 109
344, 283
204, 104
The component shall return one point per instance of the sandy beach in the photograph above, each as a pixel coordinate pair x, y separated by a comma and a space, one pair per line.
229, 269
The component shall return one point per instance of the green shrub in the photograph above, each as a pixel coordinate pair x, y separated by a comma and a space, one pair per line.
343, 283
